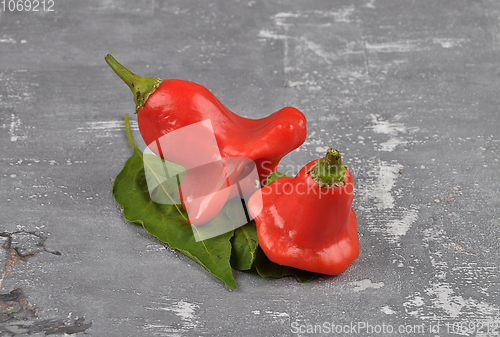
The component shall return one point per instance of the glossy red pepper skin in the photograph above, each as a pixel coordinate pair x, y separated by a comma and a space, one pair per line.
304, 226
177, 103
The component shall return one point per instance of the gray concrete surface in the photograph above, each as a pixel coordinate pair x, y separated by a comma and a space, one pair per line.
407, 90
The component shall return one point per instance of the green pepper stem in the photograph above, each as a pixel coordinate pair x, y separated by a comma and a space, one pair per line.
141, 87
329, 170
130, 137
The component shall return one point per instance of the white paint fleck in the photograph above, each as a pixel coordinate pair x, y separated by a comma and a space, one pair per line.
365, 284
185, 310
268, 34
392, 130
113, 125
278, 317
284, 15
277, 313
15, 129
380, 190
399, 227
7, 39
414, 306
341, 15
391, 144
310, 83
442, 297
412, 45
448, 43
370, 4
405, 46
321, 149
387, 310
163, 330
107, 128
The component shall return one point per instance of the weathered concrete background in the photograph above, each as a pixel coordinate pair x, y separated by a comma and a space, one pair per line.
408, 91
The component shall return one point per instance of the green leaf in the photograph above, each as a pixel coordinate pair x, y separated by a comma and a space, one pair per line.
275, 175
168, 222
266, 268
245, 245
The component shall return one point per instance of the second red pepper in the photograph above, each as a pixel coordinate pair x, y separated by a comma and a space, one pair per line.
307, 222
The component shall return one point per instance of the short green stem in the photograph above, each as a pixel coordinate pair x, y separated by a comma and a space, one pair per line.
329, 170
141, 87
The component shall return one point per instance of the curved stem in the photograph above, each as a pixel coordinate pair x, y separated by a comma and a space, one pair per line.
129, 136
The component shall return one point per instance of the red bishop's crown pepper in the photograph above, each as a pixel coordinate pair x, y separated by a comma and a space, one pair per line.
307, 222
164, 106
